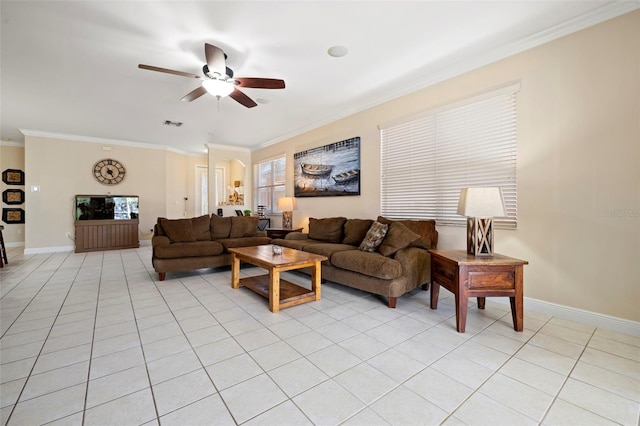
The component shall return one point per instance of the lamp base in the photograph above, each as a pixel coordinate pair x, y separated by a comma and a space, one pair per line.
480, 236
287, 220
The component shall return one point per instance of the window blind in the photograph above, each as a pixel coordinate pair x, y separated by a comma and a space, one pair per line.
428, 158
270, 183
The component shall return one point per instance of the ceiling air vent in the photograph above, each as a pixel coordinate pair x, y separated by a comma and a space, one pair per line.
172, 123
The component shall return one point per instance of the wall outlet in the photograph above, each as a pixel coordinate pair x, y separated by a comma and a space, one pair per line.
68, 234
19, 231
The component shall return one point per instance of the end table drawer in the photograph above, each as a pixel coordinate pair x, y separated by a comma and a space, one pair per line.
443, 274
494, 278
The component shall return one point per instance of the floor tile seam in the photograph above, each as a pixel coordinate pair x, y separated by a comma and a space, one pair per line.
39, 353
54, 390
605, 367
567, 376
477, 388
585, 408
34, 268
637, 402
142, 348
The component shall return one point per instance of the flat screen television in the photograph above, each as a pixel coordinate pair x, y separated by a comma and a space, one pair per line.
106, 207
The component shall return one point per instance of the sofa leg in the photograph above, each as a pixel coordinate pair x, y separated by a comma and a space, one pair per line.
392, 302
162, 275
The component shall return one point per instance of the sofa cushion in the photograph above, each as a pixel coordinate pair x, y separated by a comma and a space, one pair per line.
244, 226
200, 227
327, 229
366, 263
190, 249
398, 237
295, 244
327, 249
374, 237
178, 230
244, 242
220, 227
426, 228
355, 230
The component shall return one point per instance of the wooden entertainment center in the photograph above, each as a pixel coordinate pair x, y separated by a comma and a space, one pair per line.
106, 222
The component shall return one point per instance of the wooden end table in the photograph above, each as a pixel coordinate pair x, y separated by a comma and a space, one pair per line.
281, 293
280, 232
466, 275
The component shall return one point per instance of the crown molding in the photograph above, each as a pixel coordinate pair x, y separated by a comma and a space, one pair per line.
227, 147
455, 66
105, 141
12, 143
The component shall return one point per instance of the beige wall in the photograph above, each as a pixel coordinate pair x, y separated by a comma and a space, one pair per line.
578, 165
63, 168
12, 157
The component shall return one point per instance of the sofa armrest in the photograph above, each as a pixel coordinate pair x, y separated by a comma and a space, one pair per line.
297, 235
416, 265
160, 240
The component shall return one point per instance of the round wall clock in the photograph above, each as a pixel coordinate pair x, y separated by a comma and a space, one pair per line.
108, 171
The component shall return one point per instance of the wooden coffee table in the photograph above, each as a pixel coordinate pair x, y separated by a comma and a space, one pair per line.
281, 293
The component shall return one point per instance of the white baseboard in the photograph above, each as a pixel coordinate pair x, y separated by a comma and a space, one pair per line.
43, 250
620, 325
16, 244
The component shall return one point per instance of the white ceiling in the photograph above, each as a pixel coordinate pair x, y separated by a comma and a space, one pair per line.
71, 67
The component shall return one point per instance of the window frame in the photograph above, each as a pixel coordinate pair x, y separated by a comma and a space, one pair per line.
426, 158
275, 189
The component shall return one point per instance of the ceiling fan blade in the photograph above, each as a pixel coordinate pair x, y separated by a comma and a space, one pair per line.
242, 98
260, 83
194, 94
168, 71
215, 59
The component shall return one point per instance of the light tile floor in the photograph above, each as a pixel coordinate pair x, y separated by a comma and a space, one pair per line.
95, 339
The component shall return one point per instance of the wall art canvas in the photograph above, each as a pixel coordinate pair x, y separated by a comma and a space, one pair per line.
13, 177
12, 215
329, 170
13, 196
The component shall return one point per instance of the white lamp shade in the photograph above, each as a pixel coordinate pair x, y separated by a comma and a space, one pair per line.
287, 204
218, 88
481, 202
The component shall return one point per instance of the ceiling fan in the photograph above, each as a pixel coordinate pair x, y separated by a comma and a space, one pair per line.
218, 79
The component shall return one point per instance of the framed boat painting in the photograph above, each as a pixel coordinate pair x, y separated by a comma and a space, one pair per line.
328, 171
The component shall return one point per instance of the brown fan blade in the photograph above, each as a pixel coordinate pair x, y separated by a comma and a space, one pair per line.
260, 83
242, 98
194, 94
215, 59
168, 71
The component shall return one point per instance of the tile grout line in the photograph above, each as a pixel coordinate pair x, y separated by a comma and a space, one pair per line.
45, 340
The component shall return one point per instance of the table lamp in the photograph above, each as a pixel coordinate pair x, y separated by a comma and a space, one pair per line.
480, 206
287, 205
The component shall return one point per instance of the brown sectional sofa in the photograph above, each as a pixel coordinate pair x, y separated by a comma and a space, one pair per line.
201, 242
398, 265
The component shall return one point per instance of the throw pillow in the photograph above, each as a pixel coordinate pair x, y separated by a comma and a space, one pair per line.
355, 230
200, 227
178, 230
244, 226
398, 237
220, 227
374, 237
327, 229
426, 228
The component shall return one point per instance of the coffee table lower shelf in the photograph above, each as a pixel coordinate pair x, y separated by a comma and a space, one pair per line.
290, 293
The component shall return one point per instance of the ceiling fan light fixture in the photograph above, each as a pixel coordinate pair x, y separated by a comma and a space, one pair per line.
218, 88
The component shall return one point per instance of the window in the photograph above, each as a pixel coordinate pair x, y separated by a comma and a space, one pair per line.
270, 178
428, 158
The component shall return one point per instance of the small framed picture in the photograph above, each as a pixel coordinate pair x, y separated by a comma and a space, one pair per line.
12, 215
13, 177
13, 196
